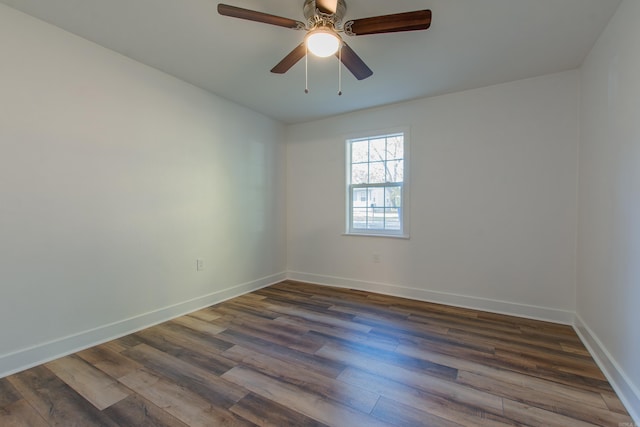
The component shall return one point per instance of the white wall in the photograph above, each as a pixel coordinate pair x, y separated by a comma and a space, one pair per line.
114, 178
608, 285
493, 212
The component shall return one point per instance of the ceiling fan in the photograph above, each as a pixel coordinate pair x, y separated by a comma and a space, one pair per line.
324, 25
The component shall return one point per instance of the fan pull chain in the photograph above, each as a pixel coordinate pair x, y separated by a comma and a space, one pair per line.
306, 70
340, 70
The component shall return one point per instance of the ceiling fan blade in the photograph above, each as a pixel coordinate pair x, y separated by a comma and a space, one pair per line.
352, 61
291, 59
327, 6
407, 21
252, 15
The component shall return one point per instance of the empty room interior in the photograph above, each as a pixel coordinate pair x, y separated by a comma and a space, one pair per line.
441, 229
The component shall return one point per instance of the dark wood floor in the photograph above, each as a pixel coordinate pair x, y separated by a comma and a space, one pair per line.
297, 354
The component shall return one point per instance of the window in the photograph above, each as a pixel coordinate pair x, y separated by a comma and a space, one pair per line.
376, 185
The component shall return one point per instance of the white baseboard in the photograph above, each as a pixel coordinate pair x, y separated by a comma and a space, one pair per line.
495, 306
625, 389
29, 357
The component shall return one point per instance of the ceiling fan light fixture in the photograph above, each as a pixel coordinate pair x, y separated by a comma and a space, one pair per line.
323, 42
324, 23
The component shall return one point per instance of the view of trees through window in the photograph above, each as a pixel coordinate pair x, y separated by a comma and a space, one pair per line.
376, 183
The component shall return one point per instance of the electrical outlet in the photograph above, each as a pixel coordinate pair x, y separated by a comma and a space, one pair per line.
199, 264
376, 258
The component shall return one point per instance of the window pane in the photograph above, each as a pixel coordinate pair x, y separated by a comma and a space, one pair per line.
393, 197
360, 151
395, 171
360, 173
377, 149
376, 197
375, 219
395, 147
360, 218
392, 219
376, 173
359, 198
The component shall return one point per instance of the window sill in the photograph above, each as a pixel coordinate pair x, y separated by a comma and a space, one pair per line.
392, 236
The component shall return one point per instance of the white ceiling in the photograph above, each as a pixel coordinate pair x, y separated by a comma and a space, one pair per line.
471, 43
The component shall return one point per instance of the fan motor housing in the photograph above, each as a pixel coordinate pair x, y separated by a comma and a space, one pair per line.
310, 9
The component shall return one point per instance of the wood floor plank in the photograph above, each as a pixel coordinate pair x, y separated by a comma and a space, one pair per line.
175, 329
536, 417
369, 311
418, 308
500, 359
198, 325
205, 314
115, 346
94, 385
432, 355
378, 341
137, 411
444, 388
306, 355
590, 379
558, 399
126, 342
185, 405
108, 361
289, 292
499, 339
398, 414
267, 413
589, 370
427, 401
291, 336
195, 351
230, 310
311, 362
255, 308
613, 402
393, 358
422, 323
501, 379
20, 414
413, 335
353, 396
552, 358
202, 382
321, 318
8, 393
311, 405
578, 349
251, 297
56, 402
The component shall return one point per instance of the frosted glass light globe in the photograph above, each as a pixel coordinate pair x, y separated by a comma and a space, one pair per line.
323, 42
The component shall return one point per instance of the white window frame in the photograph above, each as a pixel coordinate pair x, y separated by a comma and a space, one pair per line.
404, 186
